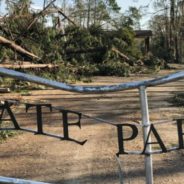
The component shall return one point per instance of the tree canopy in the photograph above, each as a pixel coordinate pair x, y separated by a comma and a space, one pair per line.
90, 37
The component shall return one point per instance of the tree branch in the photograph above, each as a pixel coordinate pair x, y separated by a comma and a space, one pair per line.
17, 48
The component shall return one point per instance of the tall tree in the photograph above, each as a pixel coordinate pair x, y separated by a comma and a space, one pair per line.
134, 14
170, 10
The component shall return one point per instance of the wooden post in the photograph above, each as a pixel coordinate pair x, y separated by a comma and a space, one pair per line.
147, 44
146, 127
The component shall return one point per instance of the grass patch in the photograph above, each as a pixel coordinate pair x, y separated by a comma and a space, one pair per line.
5, 134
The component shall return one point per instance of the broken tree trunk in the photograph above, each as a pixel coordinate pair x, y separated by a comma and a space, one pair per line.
120, 54
66, 17
4, 90
39, 14
126, 58
17, 48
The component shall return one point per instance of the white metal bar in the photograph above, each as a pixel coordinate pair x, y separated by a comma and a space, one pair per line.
120, 170
91, 89
7, 180
146, 123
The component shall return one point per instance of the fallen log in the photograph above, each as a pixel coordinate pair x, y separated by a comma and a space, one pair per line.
27, 66
15, 47
4, 90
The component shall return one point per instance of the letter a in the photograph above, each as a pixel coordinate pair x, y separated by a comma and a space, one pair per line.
159, 140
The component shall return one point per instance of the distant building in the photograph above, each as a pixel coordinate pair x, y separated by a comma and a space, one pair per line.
144, 34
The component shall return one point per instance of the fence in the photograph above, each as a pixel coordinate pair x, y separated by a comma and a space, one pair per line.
141, 85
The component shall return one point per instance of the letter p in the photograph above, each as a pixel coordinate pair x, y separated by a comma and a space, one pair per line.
121, 137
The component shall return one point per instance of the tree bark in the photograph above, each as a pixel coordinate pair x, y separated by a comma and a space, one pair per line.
120, 54
89, 13
17, 48
172, 28
40, 14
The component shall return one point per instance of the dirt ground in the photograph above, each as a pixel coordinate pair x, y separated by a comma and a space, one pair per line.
48, 159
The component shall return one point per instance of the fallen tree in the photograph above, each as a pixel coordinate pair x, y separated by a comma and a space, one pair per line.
25, 65
17, 48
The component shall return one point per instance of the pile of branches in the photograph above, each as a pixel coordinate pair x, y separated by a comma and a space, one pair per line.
24, 36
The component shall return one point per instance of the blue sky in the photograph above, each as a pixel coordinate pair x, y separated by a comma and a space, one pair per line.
124, 4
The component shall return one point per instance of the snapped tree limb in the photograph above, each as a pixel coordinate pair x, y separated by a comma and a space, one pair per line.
17, 48
40, 14
120, 54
